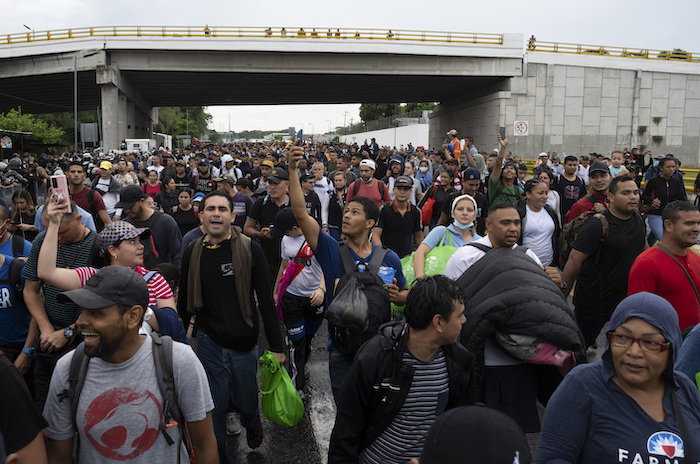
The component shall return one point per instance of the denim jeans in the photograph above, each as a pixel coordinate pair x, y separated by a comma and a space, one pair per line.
232, 379
656, 224
338, 366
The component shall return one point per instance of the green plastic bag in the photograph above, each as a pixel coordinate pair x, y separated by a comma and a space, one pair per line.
281, 403
435, 261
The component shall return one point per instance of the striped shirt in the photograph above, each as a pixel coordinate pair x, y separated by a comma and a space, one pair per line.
158, 288
69, 256
403, 439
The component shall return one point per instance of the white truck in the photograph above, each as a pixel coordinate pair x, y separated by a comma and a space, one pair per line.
142, 145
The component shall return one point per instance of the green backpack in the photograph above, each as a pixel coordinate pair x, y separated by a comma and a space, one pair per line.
281, 403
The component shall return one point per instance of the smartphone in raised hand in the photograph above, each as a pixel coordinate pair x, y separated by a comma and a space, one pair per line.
59, 188
300, 138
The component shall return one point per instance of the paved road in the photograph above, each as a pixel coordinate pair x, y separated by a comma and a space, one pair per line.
307, 442
298, 444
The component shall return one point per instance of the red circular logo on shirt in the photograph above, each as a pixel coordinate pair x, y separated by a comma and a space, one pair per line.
123, 423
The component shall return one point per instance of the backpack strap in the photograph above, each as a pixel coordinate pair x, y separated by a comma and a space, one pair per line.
76, 379
17, 245
346, 257
166, 382
15, 276
377, 257
481, 246
149, 275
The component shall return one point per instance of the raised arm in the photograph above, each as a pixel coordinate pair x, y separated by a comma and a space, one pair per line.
308, 225
64, 279
499, 161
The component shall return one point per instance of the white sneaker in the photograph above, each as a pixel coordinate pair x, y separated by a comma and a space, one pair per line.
233, 426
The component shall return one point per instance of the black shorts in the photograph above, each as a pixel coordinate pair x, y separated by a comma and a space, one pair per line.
298, 308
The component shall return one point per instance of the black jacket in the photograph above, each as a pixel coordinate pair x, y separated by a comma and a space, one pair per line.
376, 386
521, 206
507, 291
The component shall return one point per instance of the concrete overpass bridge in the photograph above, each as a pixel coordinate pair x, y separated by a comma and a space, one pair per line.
582, 98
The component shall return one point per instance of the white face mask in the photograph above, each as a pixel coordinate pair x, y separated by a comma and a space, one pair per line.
460, 226
423, 169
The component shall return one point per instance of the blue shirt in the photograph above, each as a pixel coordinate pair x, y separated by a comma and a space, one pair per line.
435, 237
14, 315
6, 248
590, 420
85, 218
328, 255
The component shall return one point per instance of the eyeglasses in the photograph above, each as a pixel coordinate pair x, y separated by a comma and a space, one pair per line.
625, 341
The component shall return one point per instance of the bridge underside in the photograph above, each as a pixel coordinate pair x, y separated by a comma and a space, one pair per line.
54, 92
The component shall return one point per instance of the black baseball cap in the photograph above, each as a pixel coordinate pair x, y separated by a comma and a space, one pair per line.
111, 285
403, 181
284, 220
129, 196
277, 175
598, 166
484, 435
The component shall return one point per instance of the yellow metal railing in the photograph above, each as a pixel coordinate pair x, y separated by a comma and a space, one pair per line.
252, 32
602, 50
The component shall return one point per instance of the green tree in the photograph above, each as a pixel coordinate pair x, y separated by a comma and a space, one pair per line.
15, 120
373, 111
177, 120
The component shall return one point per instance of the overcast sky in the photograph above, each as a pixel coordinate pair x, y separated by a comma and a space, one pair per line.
636, 24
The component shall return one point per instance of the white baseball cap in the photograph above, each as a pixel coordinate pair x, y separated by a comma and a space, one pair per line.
369, 163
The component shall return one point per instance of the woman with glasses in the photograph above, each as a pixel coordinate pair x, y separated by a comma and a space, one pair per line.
630, 406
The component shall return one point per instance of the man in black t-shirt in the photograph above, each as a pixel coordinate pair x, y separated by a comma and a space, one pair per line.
602, 262
399, 227
571, 188
182, 178
227, 321
313, 202
262, 217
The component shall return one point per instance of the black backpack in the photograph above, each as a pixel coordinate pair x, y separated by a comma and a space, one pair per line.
17, 245
163, 361
99, 225
569, 233
14, 278
361, 302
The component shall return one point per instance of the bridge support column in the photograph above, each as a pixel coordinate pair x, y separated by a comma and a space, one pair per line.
114, 117
125, 113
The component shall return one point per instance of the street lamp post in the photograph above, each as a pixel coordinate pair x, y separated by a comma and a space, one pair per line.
312, 128
329, 125
31, 30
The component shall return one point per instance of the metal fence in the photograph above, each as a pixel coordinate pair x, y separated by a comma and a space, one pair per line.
252, 32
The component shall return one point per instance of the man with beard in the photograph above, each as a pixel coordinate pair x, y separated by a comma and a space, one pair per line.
121, 388
668, 269
204, 180
601, 261
597, 199
369, 187
182, 177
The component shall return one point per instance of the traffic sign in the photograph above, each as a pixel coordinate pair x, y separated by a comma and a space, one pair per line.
520, 128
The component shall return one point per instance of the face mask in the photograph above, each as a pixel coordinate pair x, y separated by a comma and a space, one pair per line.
423, 169
460, 226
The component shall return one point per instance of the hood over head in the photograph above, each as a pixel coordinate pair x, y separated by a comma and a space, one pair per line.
657, 312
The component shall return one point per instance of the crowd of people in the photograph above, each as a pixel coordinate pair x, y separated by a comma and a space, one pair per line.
131, 311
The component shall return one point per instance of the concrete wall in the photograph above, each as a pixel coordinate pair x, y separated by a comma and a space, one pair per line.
582, 108
416, 135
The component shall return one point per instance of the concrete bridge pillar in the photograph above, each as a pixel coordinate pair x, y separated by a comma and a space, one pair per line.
125, 113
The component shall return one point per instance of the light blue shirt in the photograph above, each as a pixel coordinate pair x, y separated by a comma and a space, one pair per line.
87, 219
435, 237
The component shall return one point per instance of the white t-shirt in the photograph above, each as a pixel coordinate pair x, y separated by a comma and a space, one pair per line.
537, 234
584, 173
467, 255
323, 189
110, 198
119, 411
308, 279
